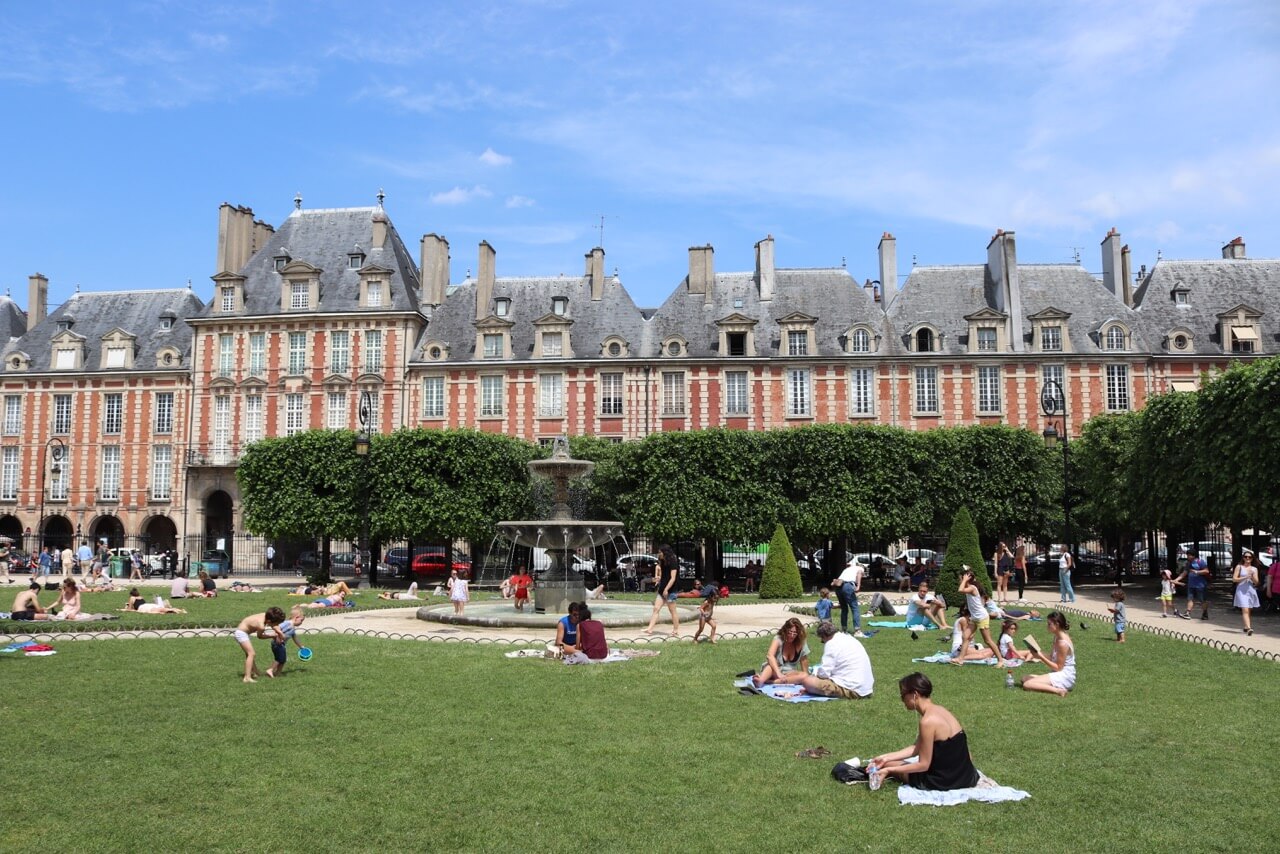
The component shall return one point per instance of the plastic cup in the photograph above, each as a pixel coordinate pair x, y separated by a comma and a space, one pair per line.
304, 654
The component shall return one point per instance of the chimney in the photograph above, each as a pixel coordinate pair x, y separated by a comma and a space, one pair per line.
379, 229
434, 268
888, 263
702, 271
37, 300
1126, 275
1005, 290
1234, 250
595, 272
484, 279
765, 270
261, 234
235, 237
1111, 262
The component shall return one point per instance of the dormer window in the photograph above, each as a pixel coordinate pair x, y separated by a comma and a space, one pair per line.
373, 294
560, 306
1113, 338
736, 343
166, 323
1182, 297
228, 298
798, 342
502, 307
673, 348
493, 345
355, 261
1244, 339
924, 341
553, 344
860, 341
299, 295
64, 325
1051, 338
281, 261
986, 339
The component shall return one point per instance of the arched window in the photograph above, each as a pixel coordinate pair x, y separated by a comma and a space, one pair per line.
924, 341
861, 342
1114, 338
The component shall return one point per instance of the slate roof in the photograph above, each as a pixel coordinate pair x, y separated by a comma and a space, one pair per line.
324, 238
943, 296
1214, 287
94, 315
13, 320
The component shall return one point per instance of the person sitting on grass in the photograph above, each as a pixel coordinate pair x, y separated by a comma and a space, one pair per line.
927, 608
263, 625
26, 605
592, 645
962, 646
706, 615
1061, 660
338, 587
939, 759
566, 642
845, 670
787, 660
208, 587
411, 593
69, 600
141, 606
1008, 652
289, 631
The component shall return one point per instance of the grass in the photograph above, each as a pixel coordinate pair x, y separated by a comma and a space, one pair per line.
402, 745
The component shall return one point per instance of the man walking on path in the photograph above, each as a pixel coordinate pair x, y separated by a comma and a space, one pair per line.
847, 585
85, 555
1196, 578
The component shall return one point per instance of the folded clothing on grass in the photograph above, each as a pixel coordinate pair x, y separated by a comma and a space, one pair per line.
945, 658
987, 791
902, 624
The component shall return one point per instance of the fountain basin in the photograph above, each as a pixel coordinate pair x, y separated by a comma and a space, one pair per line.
560, 534
503, 614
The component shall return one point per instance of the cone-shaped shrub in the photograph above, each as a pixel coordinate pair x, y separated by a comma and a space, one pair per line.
962, 548
781, 577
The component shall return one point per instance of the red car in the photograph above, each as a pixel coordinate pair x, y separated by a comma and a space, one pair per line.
430, 563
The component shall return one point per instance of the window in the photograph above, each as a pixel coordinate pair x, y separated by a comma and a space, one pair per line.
281, 260
226, 355
64, 359
559, 305
355, 261
861, 342
115, 357
228, 298
1117, 388
673, 348
373, 351
297, 353
862, 399
798, 397
1051, 338
339, 352
611, 394
252, 418
9, 474
161, 471
110, 489
1114, 338
112, 413
989, 388
987, 339
924, 341
292, 414
493, 345
221, 429
164, 412
502, 307
433, 397
1181, 298
166, 323
373, 294
299, 295
550, 395
491, 395
257, 354
737, 342
926, 390
614, 349
1180, 342
798, 343
12, 414
735, 393
1244, 339
1054, 374
59, 476
62, 413
552, 344
337, 416
673, 393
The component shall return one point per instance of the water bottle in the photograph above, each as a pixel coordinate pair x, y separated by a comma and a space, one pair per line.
1008, 679
159, 600
873, 779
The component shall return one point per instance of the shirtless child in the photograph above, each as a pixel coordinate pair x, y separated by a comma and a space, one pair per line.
263, 625
26, 605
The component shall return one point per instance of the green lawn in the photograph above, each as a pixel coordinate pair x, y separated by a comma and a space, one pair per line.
411, 746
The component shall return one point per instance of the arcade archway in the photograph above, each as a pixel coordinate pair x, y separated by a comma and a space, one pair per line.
159, 534
58, 533
108, 528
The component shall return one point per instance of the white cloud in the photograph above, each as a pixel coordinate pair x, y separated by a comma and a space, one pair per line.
520, 202
492, 158
460, 195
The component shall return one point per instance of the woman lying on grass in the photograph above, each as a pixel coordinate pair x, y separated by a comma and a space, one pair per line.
939, 759
139, 605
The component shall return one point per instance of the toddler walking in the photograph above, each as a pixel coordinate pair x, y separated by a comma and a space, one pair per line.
1118, 610
706, 615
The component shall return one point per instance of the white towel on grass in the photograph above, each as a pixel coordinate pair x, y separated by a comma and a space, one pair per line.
987, 791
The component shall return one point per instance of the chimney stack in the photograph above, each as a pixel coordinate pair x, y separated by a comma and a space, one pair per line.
1234, 251
1002, 277
1126, 275
484, 279
595, 272
765, 269
702, 273
1111, 262
434, 268
37, 300
888, 263
261, 234
379, 229
235, 237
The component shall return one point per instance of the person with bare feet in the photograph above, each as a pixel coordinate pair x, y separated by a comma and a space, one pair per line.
266, 624
787, 660
979, 619
1061, 660
141, 606
411, 593
26, 605
279, 648
667, 591
707, 615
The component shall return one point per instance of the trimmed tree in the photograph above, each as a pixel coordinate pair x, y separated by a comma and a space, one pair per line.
963, 548
781, 576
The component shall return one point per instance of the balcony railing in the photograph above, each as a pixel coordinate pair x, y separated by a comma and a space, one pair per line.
213, 455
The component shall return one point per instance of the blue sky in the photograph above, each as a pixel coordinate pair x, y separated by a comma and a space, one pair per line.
522, 123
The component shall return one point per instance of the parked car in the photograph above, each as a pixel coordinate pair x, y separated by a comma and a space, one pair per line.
1089, 564
398, 558
429, 562
915, 555
642, 565
342, 565
216, 562
819, 557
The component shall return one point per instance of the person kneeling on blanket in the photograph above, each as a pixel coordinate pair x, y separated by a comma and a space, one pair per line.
591, 643
845, 670
940, 758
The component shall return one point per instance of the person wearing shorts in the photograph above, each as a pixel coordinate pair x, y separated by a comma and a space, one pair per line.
845, 670
521, 582
26, 605
260, 625
1196, 578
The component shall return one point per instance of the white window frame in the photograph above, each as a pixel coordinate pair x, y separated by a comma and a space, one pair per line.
226, 354
253, 420
161, 472
116, 357
373, 351
59, 478
433, 397
228, 297
611, 385
550, 395
799, 393
299, 295
1051, 338
492, 391
988, 339
164, 412
1114, 338
294, 405
1118, 397
339, 351
297, 353
1058, 374
336, 416
109, 486
737, 393
797, 342
112, 413
862, 399
552, 345
12, 414
988, 380
61, 414
493, 343
674, 394
9, 473
257, 354
925, 390
222, 429
860, 341
373, 294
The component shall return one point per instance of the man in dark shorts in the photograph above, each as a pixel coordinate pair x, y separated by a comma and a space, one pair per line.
26, 605
1196, 577
521, 582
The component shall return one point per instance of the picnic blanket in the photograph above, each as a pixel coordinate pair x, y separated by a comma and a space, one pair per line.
613, 656
30, 648
987, 791
786, 693
902, 624
945, 658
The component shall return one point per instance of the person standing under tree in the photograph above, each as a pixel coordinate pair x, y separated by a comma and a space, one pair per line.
1245, 577
271, 557
1066, 563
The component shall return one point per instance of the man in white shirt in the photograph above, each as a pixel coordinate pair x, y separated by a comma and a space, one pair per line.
847, 585
271, 557
845, 670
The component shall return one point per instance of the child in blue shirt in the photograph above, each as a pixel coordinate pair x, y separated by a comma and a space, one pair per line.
288, 629
823, 607
1117, 596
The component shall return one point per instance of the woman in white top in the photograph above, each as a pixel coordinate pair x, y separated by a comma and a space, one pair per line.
458, 593
1061, 661
1245, 577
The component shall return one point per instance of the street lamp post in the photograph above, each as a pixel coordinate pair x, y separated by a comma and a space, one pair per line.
59, 453
1052, 399
362, 451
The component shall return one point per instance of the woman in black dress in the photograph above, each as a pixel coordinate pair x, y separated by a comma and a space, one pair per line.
939, 759
667, 591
